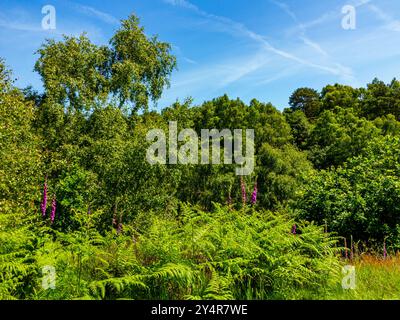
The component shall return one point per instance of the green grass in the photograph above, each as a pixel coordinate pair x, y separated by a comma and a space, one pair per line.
376, 279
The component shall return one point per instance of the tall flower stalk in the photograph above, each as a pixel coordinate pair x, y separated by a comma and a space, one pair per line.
294, 229
53, 209
120, 227
254, 195
43, 205
243, 187
114, 219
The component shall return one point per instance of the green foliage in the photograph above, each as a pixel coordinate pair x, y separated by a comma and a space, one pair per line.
381, 99
306, 100
20, 160
340, 96
338, 136
281, 173
361, 198
220, 255
17, 272
81, 75
140, 66
74, 72
300, 126
125, 229
388, 125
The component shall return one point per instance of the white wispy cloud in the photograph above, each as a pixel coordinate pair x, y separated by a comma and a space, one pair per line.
21, 20
188, 60
19, 26
288, 71
219, 75
240, 69
390, 23
327, 17
182, 3
301, 29
207, 81
285, 8
239, 29
93, 12
178, 52
314, 45
303, 36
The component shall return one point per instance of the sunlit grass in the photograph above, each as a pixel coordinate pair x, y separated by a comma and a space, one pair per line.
376, 279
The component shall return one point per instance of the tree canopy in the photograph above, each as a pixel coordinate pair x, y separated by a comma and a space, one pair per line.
81, 75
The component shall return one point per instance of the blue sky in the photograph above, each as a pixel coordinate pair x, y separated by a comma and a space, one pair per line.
262, 49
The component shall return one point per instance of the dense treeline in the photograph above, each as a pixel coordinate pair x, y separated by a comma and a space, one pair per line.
78, 194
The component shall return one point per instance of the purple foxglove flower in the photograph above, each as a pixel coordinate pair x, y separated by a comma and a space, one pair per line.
243, 187
53, 209
294, 229
254, 195
345, 249
43, 205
